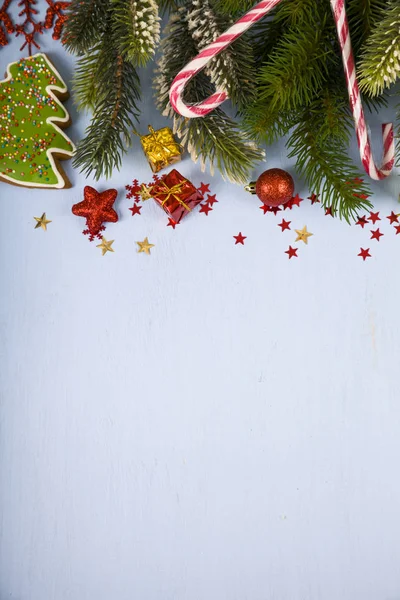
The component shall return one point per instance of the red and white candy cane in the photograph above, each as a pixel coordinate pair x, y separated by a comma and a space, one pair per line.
241, 26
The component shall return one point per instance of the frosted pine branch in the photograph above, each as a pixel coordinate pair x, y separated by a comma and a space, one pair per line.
380, 65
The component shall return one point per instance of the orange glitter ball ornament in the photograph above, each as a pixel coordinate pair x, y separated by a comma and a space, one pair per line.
274, 187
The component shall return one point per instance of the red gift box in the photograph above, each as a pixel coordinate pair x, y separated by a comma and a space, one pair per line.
176, 195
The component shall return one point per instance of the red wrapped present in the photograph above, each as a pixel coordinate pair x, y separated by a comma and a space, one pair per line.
176, 195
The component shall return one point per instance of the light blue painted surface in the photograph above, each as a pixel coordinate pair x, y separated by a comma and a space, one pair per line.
211, 422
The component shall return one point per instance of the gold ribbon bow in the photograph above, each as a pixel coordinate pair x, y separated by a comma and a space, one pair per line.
172, 192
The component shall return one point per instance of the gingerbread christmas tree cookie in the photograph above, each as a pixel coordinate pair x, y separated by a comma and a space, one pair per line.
31, 118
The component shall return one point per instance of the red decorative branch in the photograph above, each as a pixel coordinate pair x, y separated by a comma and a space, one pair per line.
29, 26
55, 12
6, 25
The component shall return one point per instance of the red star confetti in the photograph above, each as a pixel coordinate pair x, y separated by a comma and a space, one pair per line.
205, 208
292, 252
204, 188
397, 228
364, 253
172, 223
211, 200
264, 208
362, 196
393, 218
274, 209
374, 217
135, 209
358, 180
314, 198
296, 200
329, 212
362, 221
240, 238
376, 235
284, 225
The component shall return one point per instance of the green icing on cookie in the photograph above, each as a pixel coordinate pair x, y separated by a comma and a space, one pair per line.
27, 138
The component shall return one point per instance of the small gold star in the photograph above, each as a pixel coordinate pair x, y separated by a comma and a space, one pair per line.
145, 246
145, 193
303, 235
42, 222
105, 246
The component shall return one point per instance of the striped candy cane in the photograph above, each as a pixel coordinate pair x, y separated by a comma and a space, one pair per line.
240, 27
342, 26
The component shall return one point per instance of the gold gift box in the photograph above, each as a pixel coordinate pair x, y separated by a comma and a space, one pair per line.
161, 148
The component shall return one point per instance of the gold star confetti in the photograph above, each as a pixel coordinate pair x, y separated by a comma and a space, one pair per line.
145, 246
105, 246
42, 222
303, 235
145, 193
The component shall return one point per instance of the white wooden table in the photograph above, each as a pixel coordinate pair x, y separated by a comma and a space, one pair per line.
209, 422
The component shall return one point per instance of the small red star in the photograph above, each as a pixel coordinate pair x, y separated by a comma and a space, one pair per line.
291, 252
362, 221
135, 209
172, 223
397, 228
313, 198
374, 217
329, 212
211, 200
264, 208
288, 205
376, 235
296, 200
205, 208
240, 238
362, 196
284, 225
274, 209
204, 188
364, 254
393, 218
358, 180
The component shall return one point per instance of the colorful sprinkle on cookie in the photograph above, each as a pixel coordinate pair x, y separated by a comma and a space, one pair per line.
31, 114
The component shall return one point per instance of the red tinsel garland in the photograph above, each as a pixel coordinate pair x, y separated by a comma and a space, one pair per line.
28, 25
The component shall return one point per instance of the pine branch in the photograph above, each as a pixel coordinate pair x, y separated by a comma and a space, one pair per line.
363, 16
85, 25
136, 26
380, 64
109, 132
300, 66
320, 145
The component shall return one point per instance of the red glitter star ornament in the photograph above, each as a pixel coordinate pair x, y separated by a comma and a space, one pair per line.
284, 225
376, 235
292, 252
240, 238
96, 208
364, 253
374, 217
393, 218
135, 209
362, 221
